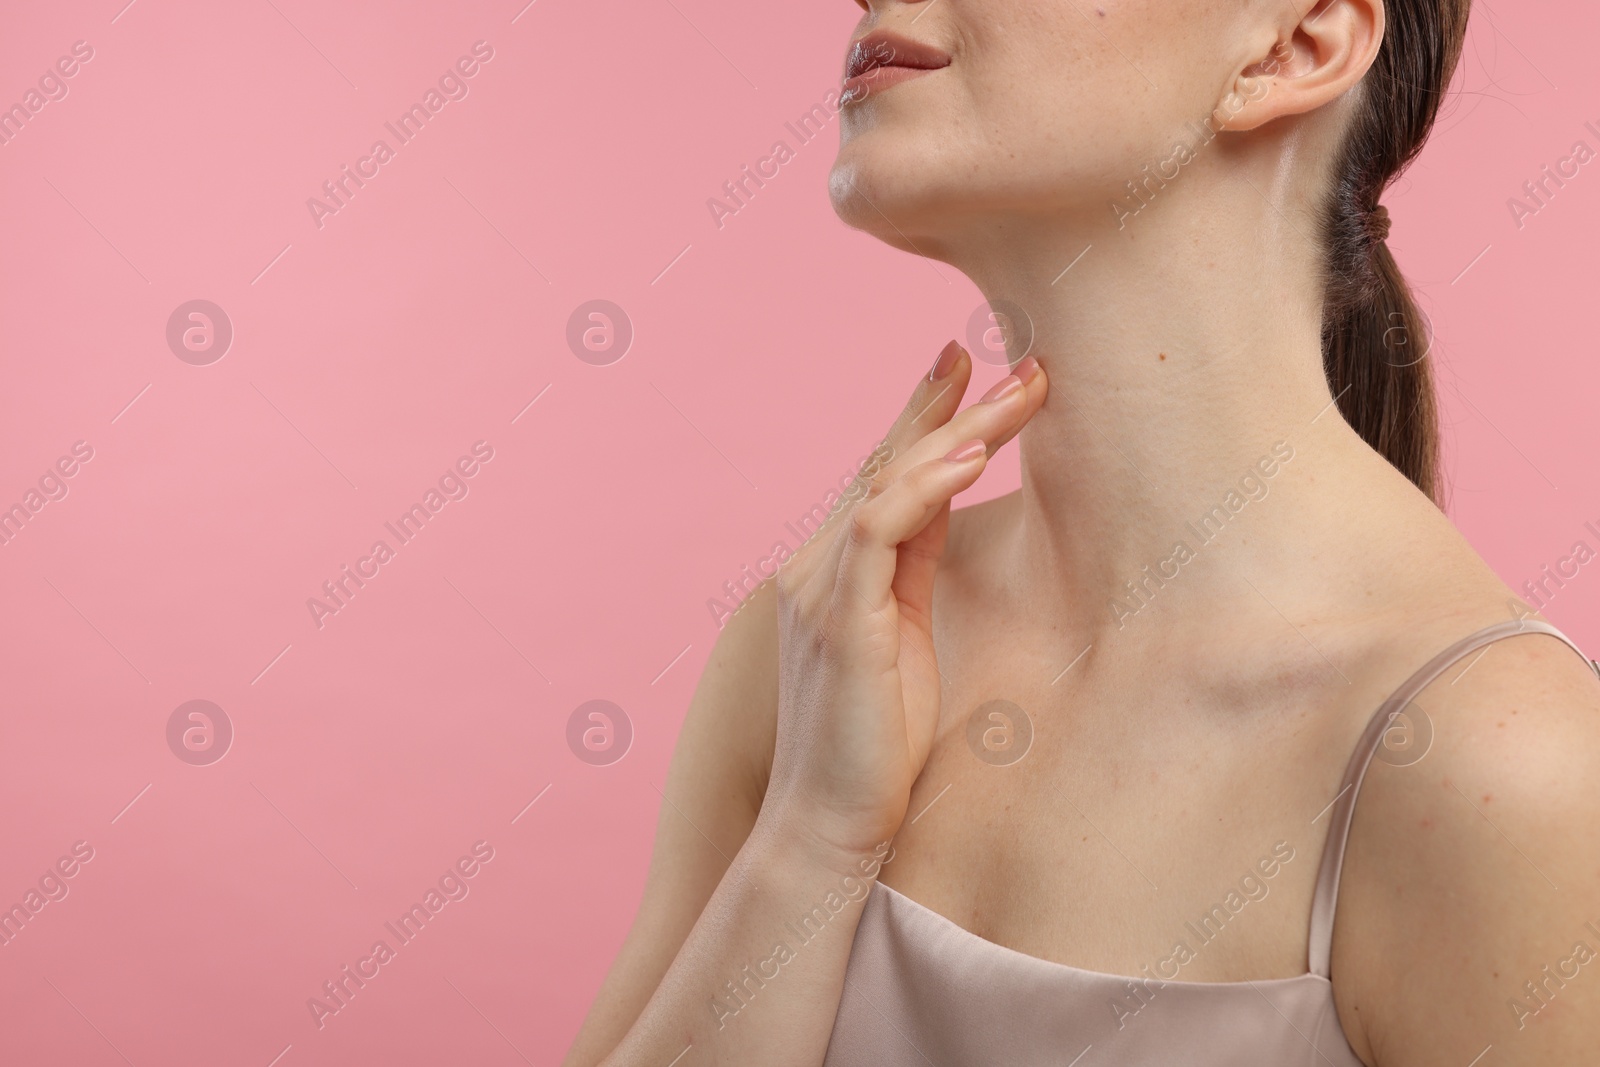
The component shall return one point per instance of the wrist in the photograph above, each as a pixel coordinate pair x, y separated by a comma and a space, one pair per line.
786, 838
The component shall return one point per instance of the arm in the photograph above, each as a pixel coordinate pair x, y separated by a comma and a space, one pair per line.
739, 951
744, 987
712, 795
739, 910
1469, 922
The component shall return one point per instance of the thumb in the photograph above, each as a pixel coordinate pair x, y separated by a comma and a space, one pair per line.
915, 568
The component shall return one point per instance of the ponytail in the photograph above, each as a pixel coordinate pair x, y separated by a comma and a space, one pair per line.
1375, 341
1375, 354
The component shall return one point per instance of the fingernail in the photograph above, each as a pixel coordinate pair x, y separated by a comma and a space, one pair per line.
1025, 369
948, 356
1003, 388
971, 450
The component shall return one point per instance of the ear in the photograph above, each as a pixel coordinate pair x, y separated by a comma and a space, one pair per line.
1314, 61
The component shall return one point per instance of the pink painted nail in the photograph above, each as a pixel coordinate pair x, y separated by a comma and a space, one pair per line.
949, 355
971, 450
1003, 388
1026, 368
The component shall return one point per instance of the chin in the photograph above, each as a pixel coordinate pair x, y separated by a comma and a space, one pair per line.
928, 196
889, 194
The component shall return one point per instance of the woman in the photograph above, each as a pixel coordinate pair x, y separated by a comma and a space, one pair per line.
1099, 741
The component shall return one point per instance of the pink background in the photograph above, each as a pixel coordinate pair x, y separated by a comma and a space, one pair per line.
369, 754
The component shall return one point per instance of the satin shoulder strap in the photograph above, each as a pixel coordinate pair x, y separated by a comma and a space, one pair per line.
1344, 805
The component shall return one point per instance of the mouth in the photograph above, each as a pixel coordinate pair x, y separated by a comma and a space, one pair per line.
881, 59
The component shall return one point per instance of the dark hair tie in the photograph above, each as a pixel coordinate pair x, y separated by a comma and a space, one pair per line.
1380, 224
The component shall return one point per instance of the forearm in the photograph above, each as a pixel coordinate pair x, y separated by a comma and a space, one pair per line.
759, 977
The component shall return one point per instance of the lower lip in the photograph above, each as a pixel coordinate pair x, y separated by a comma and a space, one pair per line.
880, 78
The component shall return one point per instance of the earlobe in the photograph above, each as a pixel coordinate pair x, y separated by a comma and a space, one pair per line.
1236, 112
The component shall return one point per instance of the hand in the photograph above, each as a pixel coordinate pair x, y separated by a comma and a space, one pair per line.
858, 691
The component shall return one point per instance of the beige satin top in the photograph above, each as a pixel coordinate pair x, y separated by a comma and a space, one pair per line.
921, 991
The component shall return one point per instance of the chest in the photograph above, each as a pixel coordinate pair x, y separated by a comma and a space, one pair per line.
1118, 820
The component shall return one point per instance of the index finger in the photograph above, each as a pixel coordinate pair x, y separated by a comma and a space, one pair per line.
932, 404
935, 399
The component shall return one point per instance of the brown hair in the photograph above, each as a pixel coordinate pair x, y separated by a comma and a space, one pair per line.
1373, 335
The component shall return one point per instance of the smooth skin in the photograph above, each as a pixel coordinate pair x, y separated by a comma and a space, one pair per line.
1176, 744
860, 707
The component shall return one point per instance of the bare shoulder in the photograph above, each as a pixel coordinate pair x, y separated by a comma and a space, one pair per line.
1469, 909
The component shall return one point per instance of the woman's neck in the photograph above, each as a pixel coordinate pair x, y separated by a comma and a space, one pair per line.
1188, 419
